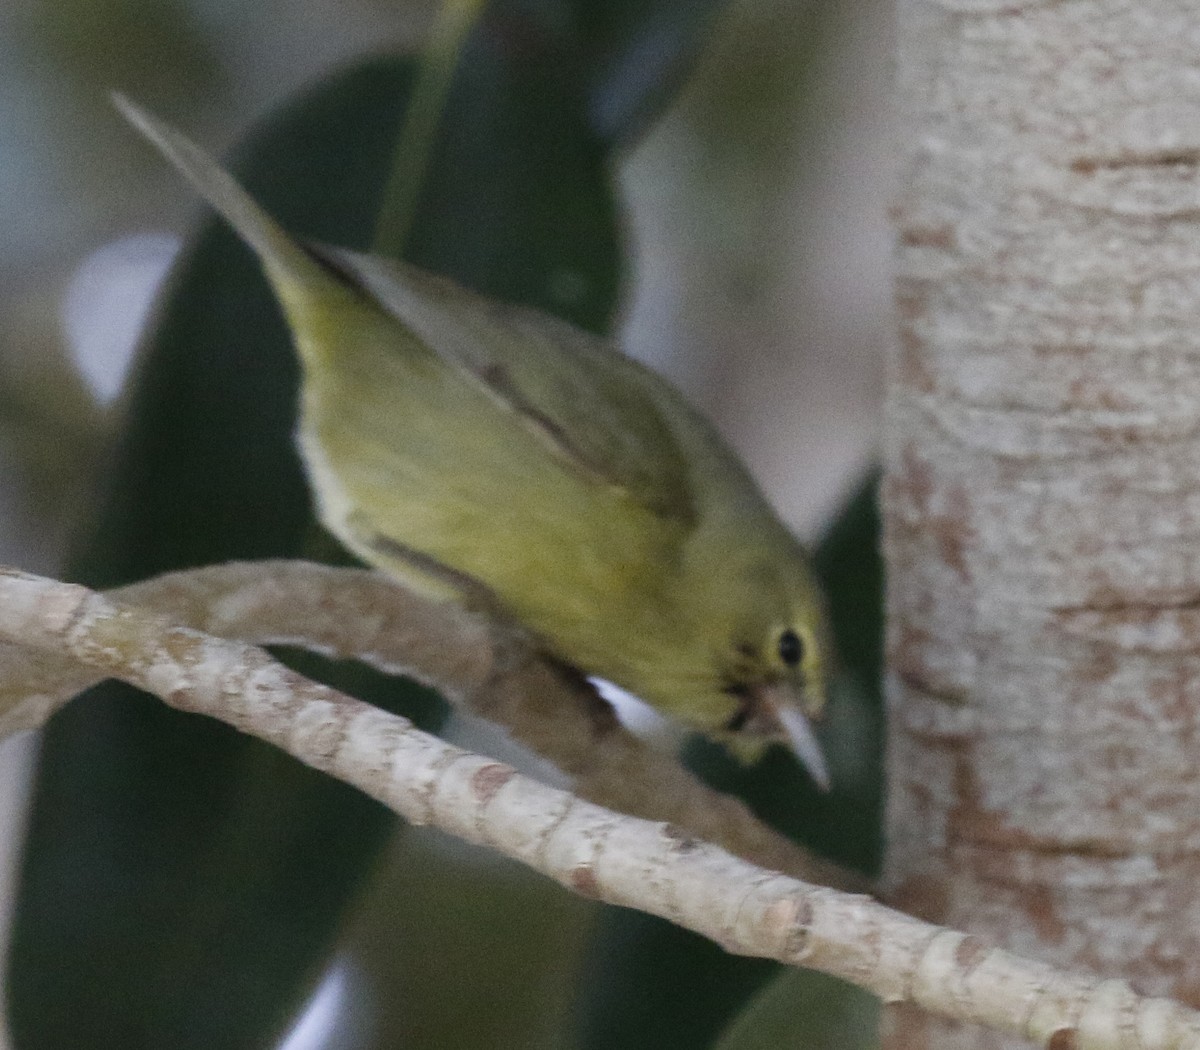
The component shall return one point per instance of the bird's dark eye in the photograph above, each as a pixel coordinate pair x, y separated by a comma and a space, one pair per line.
791, 648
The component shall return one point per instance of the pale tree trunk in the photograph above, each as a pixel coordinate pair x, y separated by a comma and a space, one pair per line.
1042, 499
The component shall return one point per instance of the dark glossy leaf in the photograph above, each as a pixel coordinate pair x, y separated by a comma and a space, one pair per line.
850, 565
648, 983
804, 1010
636, 53
627, 57
182, 884
517, 204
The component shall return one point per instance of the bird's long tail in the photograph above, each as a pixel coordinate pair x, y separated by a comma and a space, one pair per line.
293, 273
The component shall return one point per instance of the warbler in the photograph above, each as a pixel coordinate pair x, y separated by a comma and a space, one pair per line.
498, 457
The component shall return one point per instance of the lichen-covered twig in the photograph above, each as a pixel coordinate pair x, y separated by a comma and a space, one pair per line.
624, 860
488, 669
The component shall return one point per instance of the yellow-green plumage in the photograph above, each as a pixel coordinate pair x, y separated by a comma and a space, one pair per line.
503, 458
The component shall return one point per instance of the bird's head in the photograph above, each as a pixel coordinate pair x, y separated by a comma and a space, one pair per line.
777, 687
762, 647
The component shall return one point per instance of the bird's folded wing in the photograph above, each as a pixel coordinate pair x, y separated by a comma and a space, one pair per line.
596, 409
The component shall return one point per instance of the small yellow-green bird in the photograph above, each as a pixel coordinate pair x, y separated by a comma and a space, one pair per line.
501, 458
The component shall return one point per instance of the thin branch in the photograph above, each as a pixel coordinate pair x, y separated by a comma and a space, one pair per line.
489, 670
623, 860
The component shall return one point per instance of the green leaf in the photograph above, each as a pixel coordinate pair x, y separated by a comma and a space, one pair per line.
635, 54
518, 204
646, 983
625, 58
803, 1010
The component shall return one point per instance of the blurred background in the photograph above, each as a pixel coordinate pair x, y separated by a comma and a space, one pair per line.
754, 209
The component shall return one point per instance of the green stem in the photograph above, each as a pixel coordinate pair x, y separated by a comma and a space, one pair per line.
414, 147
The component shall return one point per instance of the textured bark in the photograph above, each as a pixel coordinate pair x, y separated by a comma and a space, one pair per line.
1042, 500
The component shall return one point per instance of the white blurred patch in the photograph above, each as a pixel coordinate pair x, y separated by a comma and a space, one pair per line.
642, 720
18, 754
106, 304
320, 1017
337, 1015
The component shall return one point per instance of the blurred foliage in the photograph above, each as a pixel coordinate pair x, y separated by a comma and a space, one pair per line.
803, 1010
50, 423
158, 49
465, 949
635, 54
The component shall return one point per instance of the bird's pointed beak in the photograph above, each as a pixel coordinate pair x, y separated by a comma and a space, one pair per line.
781, 704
